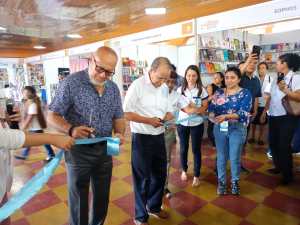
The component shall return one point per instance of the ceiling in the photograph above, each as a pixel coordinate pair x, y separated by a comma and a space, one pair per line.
47, 22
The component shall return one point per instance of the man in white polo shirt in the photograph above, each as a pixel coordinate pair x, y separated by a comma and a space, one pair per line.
146, 106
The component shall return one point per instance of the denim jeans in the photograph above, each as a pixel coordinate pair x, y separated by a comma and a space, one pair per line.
229, 146
48, 148
196, 133
149, 170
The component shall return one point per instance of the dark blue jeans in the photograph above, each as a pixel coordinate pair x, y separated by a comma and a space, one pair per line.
49, 149
196, 134
88, 164
149, 170
296, 139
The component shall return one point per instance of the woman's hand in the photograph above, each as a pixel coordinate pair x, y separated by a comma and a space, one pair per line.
263, 118
63, 142
220, 119
283, 87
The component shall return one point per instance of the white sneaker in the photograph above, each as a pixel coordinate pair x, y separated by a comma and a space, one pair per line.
184, 176
196, 182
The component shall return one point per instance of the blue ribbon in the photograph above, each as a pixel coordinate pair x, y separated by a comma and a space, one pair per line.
33, 186
176, 121
113, 144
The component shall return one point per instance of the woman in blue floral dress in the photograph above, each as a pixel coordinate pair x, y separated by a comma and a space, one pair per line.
230, 110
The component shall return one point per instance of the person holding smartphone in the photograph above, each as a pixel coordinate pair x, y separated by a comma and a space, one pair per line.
282, 125
252, 83
13, 139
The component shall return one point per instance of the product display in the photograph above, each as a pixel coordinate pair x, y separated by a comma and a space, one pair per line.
131, 70
216, 55
270, 53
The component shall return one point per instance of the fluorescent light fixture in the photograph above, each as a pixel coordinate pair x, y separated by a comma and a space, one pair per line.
155, 11
74, 36
39, 47
3, 29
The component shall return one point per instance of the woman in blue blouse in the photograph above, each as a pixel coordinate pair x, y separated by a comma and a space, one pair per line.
230, 109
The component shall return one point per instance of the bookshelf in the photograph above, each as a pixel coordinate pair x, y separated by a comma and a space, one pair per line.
131, 70
217, 55
36, 77
270, 53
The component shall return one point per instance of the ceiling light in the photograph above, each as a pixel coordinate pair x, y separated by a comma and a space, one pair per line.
39, 47
155, 11
74, 36
3, 29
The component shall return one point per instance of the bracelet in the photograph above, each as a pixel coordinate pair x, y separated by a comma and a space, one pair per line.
71, 130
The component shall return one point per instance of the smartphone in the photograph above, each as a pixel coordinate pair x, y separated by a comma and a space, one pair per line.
256, 50
280, 77
10, 111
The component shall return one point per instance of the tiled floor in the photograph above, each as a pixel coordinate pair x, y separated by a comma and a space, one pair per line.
262, 202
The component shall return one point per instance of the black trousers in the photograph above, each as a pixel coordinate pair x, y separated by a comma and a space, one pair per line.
88, 164
149, 171
281, 131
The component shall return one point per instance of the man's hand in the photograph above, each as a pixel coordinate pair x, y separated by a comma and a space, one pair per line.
253, 58
82, 132
122, 138
155, 122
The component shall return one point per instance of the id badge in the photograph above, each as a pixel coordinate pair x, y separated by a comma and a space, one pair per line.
224, 126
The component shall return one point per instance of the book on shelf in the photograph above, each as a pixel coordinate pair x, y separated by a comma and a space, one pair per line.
211, 68
220, 55
131, 70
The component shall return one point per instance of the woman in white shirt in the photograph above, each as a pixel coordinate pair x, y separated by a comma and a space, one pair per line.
194, 94
34, 120
260, 119
13, 139
282, 125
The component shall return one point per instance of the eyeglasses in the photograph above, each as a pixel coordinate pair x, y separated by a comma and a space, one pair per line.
100, 69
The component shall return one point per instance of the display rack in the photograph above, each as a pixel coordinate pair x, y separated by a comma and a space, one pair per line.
218, 55
270, 53
36, 77
131, 70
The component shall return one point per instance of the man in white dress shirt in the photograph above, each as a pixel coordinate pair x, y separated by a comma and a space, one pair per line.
147, 106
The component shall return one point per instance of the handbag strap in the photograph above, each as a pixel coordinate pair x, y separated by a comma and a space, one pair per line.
290, 83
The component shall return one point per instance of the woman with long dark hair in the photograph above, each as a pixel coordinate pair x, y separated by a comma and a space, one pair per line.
282, 125
34, 120
230, 108
193, 92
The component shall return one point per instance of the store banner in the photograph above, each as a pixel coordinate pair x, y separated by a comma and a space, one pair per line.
272, 11
178, 30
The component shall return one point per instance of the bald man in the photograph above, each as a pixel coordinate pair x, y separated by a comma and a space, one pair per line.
88, 104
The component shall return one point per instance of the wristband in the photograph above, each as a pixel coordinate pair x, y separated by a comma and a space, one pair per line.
71, 130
